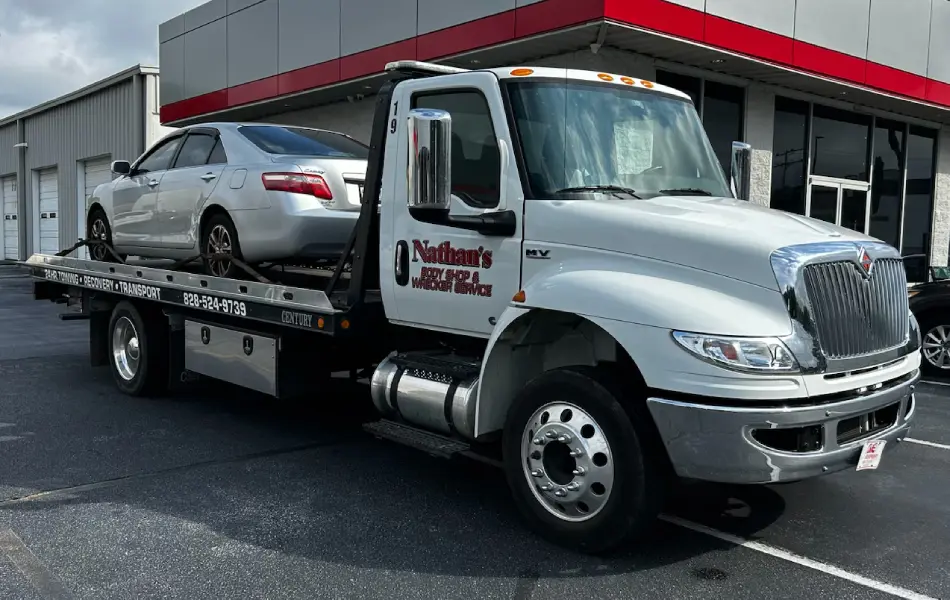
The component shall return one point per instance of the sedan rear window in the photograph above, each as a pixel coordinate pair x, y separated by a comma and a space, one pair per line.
300, 141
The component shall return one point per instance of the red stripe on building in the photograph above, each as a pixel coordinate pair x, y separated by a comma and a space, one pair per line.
551, 15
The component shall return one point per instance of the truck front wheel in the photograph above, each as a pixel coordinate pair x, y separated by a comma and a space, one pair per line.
137, 352
581, 470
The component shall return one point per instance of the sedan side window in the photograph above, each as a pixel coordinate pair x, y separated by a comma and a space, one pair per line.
195, 151
161, 157
218, 155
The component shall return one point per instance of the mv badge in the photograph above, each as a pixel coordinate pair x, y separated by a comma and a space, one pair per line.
865, 262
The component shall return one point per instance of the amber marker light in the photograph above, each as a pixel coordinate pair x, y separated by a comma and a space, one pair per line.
646, 84
519, 297
605, 76
522, 72
344, 324
320, 323
627, 80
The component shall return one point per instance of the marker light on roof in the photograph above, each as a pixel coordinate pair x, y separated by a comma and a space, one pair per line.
522, 72
605, 76
646, 84
627, 80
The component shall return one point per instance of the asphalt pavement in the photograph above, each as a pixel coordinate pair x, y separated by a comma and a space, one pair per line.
220, 493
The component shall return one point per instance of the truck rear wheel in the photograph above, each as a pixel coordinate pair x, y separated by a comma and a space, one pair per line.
581, 471
137, 352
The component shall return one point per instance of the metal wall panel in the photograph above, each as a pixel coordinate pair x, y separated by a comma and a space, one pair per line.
236, 5
102, 123
309, 33
171, 57
367, 24
777, 16
206, 59
841, 25
439, 14
171, 29
899, 34
7, 151
205, 13
694, 4
252, 43
938, 66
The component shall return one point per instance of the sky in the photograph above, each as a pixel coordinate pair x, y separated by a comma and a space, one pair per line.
51, 47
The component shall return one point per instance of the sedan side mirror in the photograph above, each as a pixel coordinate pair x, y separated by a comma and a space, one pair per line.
121, 167
740, 178
430, 152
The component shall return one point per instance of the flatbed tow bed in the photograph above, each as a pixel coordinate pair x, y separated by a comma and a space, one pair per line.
595, 339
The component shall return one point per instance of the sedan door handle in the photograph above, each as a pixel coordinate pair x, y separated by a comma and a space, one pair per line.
152, 182
208, 176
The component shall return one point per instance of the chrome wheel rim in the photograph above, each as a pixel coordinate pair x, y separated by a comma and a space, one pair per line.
98, 232
219, 242
567, 461
126, 352
936, 347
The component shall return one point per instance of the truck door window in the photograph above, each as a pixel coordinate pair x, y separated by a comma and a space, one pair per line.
476, 161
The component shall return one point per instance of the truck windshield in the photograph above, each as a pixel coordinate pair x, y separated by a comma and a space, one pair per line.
587, 139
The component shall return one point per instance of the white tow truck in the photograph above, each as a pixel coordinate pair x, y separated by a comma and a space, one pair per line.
551, 268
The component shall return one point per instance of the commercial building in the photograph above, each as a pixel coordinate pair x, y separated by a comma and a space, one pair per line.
845, 103
53, 155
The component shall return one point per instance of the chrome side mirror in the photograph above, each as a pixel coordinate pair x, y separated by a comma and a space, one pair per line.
430, 152
121, 167
740, 178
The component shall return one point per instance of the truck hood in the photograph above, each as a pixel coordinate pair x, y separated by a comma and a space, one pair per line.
726, 236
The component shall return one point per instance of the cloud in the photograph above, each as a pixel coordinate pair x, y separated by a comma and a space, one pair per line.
51, 47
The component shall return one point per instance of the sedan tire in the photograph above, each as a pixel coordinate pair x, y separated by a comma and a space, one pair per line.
220, 237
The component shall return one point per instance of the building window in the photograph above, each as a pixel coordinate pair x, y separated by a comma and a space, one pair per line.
866, 173
720, 106
789, 151
919, 200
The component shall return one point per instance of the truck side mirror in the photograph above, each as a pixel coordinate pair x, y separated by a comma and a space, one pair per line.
740, 178
121, 167
430, 152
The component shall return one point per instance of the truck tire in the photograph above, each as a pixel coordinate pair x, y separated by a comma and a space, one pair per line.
219, 233
583, 473
138, 356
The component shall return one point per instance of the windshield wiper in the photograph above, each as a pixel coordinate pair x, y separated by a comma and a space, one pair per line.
600, 188
686, 192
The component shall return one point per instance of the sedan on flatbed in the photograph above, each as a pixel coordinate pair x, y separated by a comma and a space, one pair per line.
263, 193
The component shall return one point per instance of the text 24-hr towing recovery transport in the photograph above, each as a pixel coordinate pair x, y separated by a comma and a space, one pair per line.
578, 290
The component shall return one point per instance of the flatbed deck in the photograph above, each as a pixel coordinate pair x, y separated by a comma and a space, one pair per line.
302, 308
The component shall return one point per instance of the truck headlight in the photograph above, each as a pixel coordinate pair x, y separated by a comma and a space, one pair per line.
756, 355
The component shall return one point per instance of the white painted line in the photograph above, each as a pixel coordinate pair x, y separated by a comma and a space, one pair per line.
799, 560
926, 443
943, 383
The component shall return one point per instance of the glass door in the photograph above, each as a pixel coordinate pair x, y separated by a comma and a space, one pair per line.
839, 201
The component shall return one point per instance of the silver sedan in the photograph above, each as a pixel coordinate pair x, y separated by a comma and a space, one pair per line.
260, 192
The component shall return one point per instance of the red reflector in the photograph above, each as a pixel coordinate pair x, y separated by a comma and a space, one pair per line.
297, 183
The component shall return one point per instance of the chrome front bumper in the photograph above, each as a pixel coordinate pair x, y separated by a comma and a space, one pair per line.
719, 443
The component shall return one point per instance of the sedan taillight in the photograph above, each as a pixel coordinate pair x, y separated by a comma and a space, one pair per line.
297, 183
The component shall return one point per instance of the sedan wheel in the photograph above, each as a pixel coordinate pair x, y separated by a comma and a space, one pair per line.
219, 242
936, 347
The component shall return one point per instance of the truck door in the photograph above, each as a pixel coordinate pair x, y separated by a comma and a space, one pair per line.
458, 280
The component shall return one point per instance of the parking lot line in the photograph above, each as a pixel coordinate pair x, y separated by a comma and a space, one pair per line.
926, 443
930, 382
45, 583
797, 559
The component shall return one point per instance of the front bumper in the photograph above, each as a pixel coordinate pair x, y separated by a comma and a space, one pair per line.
736, 444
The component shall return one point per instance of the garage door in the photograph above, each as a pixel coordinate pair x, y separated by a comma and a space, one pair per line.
49, 211
11, 230
97, 172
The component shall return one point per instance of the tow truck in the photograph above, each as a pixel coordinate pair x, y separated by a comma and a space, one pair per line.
552, 269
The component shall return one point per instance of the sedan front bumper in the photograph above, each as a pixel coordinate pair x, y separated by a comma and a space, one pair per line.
769, 444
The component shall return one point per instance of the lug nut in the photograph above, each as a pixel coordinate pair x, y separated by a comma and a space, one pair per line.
577, 452
560, 493
565, 439
537, 473
551, 434
546, 487
580, 471
573, 486
538, 441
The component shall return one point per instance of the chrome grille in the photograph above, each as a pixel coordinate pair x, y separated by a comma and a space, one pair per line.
854, 315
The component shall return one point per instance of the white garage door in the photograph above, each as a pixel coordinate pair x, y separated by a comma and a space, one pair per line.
97, 172
11, 230
49, 211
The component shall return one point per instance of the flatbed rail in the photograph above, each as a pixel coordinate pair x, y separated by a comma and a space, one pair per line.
275, 303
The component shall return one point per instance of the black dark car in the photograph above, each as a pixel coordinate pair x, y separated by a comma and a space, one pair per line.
930, 303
